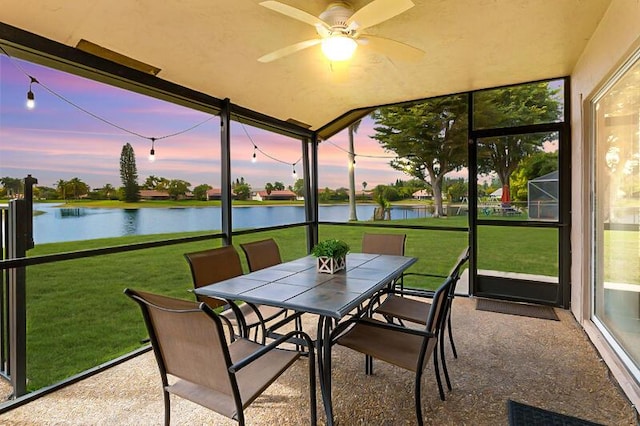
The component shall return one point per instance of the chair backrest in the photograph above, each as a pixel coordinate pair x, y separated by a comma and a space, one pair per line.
189, 343
212, 266
261, 254
462, 259
392, 244
435, 318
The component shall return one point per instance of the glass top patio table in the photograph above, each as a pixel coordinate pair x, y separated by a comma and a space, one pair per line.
297, 285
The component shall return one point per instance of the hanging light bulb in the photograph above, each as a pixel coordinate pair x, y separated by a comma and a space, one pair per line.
31, 99
294, 174
152, 153
254, 159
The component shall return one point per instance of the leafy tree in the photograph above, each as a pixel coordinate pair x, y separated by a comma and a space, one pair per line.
12, 185
456, 189
429, 138
47, 193
61, 187
325, 195
380, 197
268, 187
108, 191
341, 194
536, 165
241, 189
509, 107
278, 186
76, 187
200, 191
178, 188
157, 183
298, 187
129, 174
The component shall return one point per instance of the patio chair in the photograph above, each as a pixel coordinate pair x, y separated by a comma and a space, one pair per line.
197, 364
261, 254
404, 347
391, 244
215, 265
397, 306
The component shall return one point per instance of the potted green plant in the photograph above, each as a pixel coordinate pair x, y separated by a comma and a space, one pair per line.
331, 255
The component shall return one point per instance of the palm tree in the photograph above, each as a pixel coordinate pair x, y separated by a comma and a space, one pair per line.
78, 187
353, 128
108, 189
61, 186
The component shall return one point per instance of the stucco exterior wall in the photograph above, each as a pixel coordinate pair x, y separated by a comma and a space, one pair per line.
617, 36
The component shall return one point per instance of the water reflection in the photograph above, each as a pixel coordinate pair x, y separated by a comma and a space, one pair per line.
130, 222
77, 212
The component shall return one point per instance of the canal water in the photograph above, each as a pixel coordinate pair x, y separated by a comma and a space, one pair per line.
56, 224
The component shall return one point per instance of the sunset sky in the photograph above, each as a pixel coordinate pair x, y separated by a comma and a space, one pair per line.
58, 141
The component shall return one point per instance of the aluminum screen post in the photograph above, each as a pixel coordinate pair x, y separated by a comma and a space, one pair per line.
17, 303
20, 240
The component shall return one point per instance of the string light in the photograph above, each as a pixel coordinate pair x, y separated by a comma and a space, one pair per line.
31, 99
360, 155
256, 149
31, 105
152, 153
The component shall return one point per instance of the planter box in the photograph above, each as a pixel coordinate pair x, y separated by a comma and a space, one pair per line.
330, 265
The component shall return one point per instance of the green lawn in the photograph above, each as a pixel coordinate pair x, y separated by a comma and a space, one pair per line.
78, 317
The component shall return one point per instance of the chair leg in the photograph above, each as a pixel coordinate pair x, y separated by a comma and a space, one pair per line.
437, 372
444, 361
167, 408
418, 397
312, 386
368, 365
453, 346
264, 333
298, 322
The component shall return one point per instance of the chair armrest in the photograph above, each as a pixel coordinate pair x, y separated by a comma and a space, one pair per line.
420, 274
271, 346
398, 328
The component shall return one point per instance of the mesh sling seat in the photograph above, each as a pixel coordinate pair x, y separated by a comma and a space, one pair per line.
392, 244
263, 254
197, 364
218, 264
397, 306
404, 347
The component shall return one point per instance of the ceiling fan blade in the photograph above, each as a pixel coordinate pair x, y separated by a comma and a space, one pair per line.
376, 12
289, 50
294, 13
392, 48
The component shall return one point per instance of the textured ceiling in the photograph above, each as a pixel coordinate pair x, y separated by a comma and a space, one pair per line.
212, 47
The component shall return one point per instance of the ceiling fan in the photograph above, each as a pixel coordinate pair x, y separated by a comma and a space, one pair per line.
339, 29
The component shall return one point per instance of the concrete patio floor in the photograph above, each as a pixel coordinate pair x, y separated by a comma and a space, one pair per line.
544, 363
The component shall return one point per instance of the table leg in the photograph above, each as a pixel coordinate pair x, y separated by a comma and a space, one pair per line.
325, 324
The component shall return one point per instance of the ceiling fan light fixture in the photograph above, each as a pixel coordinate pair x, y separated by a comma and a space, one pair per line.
338, 47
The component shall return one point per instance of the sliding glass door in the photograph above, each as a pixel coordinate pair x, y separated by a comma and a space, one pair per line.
616, 212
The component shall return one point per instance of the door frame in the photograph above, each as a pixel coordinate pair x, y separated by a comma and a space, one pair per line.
525, 290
